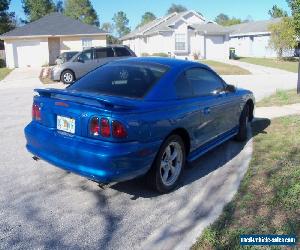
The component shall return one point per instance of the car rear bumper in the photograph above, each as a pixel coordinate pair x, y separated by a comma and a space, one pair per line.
97, 160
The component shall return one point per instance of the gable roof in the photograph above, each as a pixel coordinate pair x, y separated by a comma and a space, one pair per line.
253, 27
160, 24
54, 24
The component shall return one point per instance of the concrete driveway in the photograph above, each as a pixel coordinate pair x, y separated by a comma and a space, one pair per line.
44, 207
263, 81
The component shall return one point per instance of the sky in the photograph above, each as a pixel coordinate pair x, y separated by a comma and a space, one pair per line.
134, 9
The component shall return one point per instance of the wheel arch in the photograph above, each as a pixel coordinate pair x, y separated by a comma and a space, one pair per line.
183, 133
250, 104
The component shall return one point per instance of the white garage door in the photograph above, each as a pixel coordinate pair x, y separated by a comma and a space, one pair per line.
28, 54
215, 47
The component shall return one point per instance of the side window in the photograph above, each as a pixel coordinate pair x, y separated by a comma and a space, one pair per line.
103, 53
120, 51
183, 87
85, 55
204, 82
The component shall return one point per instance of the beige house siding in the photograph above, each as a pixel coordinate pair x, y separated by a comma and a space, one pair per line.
74, 43
39, 51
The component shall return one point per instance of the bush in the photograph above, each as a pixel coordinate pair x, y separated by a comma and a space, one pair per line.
196, 55
2, 63
160, 54
145, 54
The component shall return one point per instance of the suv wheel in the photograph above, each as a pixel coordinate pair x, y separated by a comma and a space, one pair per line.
67, 77
168, 165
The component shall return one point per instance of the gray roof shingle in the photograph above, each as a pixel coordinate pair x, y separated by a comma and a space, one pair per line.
147, 27
211, 28
253, 27
160, 24
54, 24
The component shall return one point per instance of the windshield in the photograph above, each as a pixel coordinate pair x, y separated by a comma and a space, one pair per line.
118, 79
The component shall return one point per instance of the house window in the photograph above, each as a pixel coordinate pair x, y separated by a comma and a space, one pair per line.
86, 43
180, 42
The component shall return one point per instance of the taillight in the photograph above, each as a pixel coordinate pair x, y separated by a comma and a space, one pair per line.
105, 127
36, 112
94, 126
118, 130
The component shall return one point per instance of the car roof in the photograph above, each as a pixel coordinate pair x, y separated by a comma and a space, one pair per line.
107, 46
166, 61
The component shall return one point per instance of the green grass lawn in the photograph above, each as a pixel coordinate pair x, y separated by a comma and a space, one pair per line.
285, 64
267, 201
281, 97
4, 72
225, 69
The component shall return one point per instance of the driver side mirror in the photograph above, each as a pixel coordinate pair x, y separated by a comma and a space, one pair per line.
80, 59
230, 88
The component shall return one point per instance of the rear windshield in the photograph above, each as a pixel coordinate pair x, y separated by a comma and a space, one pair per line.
133, 80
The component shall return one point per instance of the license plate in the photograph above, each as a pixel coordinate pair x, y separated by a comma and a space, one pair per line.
66, 124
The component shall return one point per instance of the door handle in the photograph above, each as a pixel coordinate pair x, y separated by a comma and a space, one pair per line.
206, 110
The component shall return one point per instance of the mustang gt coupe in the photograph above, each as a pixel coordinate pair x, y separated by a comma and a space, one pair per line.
135, 117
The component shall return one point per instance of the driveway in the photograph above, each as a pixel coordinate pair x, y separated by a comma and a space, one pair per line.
263, 81
44, 207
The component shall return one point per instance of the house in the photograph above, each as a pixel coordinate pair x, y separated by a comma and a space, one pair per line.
41, 42
182, 35
189, 35
252, 39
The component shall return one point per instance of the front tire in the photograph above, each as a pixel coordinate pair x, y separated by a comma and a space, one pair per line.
67, 77
168, 165
244, 124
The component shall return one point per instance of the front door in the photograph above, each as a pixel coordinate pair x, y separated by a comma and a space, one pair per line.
84, 63
218, 110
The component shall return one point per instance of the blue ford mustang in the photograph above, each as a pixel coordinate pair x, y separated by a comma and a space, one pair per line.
134, 117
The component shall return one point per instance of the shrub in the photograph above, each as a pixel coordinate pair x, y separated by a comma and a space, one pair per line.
2, 63
196, 55
160, 54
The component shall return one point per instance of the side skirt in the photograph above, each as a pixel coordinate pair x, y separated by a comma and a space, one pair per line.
212, 144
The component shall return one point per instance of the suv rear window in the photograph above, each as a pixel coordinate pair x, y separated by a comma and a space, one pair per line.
120, 51
119, 79
103, 53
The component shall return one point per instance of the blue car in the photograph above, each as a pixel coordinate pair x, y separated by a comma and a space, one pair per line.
135, 117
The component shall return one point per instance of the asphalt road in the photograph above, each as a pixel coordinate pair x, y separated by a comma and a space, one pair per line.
44, 207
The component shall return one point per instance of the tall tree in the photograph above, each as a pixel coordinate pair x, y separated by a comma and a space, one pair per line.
146, 18
283, 36
176, 8
59, 7
81, 10
295, 7
222, 19
7, 19
35, 9
225, 20
121, 23
277, 12
107, 27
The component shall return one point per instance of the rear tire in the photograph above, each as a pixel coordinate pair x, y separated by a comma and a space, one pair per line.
67, 77
244, 124
168, 165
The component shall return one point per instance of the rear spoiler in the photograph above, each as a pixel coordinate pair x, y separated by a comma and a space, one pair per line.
107, 101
